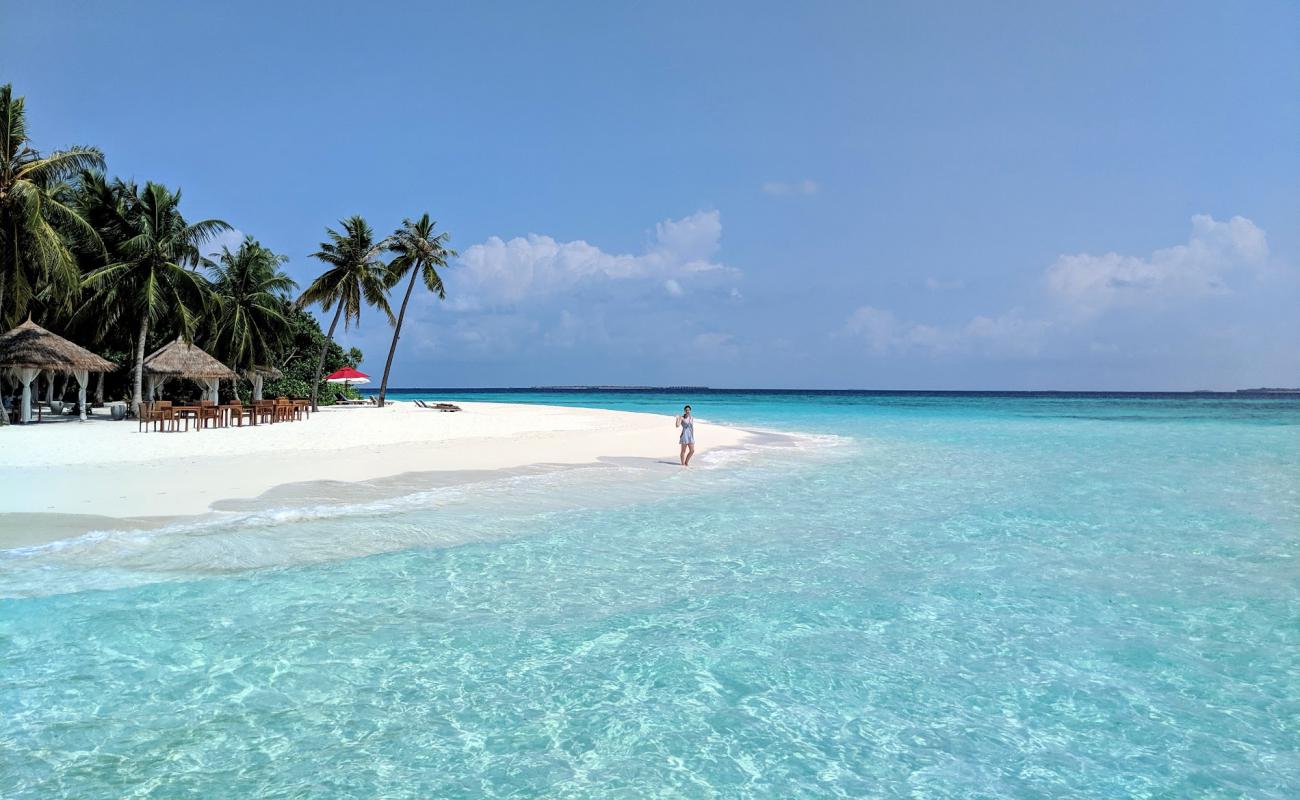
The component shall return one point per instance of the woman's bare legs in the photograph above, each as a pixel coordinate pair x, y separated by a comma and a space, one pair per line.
682, 457
688, 452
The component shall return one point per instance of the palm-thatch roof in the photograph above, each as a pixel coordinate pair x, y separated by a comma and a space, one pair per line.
29, 345
182, 360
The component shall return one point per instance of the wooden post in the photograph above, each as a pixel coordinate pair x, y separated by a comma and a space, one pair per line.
26, 375
82, 376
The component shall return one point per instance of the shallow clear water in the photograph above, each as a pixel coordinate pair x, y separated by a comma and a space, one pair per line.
938, 596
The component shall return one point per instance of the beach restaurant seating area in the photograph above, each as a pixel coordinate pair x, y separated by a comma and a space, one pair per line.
183, 360
165, 415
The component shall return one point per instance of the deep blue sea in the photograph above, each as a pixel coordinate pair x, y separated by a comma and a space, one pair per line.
930, 596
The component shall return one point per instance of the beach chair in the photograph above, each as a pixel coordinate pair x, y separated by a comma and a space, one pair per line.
438, 406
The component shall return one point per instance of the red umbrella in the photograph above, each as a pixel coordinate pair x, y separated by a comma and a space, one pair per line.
347, 375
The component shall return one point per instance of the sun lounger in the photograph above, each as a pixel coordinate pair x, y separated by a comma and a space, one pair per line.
438, 406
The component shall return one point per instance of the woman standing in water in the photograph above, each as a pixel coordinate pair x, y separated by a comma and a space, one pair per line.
687, 423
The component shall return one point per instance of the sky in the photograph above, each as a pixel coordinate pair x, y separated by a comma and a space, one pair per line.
865, 195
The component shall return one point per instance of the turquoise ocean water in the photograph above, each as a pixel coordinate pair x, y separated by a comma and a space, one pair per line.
930, 596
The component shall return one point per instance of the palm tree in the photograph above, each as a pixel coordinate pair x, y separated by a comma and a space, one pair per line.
249, 289
420, 252
33, 252
355, 276
154, 275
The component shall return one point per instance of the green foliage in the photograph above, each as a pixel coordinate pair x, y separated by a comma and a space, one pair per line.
416, 249
304, 341
247, 326
36, 263
356, 276
114, 266
151, 279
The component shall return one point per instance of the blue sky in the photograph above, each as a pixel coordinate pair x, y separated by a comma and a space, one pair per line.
861, 195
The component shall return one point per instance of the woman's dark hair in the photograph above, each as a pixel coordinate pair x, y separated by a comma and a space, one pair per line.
687, 408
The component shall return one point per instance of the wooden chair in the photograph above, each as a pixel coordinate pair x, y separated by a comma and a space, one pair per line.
264, 411
209, 411
283, 410
145, 417
237, 411
159, 413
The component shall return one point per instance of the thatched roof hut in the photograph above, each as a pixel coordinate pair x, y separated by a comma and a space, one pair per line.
257, 374
266, 371
182, 360
31, 346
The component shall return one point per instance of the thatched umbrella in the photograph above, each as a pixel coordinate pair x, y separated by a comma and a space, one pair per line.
29, 349
183, 360
257, 374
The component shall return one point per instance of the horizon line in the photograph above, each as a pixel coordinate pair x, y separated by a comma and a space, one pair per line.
1255, 391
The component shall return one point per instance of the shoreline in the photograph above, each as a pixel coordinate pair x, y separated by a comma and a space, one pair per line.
73, 478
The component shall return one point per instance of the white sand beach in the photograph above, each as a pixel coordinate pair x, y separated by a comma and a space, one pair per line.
112, 469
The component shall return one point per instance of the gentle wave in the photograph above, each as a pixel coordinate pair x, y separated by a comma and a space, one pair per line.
443, 516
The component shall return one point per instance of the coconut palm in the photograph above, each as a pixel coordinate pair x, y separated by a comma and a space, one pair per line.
153, 276
34, 254
420, 252
355, 277
249, 291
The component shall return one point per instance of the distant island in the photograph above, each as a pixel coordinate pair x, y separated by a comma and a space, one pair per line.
619, 388
1268, 390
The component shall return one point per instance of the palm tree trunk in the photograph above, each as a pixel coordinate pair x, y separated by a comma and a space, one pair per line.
99, 389
320, 363
137, 392
397, 333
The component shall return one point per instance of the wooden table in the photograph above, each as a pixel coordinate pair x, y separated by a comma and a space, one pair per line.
238, 412
187, 413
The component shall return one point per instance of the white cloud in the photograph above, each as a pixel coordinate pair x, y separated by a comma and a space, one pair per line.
714, 345
877, 327
1086, 285
230, 239
780, 188
1007, 334
1089, 285
504, 273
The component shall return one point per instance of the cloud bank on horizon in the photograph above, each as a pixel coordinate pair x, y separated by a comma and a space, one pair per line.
1224, 260
678, 306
